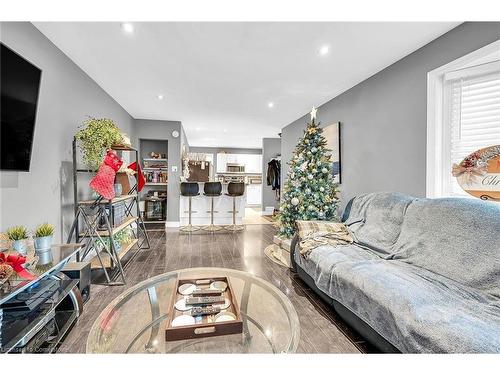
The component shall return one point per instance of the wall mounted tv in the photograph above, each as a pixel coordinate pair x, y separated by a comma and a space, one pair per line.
20, 83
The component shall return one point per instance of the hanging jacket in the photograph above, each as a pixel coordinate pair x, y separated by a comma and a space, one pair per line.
274, 174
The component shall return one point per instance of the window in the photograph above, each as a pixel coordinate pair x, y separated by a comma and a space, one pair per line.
472, 115
463, 115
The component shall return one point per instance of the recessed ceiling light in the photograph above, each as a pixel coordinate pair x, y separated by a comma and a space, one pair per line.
324, 50
128, 27
270, 105
160, 96
225, 130
197, 128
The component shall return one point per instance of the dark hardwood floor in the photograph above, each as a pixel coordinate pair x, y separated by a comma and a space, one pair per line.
321, 330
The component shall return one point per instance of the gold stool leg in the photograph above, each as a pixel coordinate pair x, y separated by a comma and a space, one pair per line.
233, 227
188, 229
212, 227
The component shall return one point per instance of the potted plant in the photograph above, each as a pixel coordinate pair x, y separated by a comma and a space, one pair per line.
43, 236
95, 136
18, 235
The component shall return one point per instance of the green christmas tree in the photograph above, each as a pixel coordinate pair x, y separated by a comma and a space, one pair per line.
309, 193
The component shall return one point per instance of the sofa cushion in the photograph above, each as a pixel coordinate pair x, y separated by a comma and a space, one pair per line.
375, 219
416, 310
458, 238
322, 260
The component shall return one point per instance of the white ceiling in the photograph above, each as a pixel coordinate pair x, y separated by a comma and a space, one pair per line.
217, 78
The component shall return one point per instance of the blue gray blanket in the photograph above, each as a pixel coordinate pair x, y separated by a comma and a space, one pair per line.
424, 273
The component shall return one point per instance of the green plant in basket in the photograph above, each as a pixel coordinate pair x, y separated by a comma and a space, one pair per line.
95, 136
18, 236
43, 237
124, 236
44, 230
17, 233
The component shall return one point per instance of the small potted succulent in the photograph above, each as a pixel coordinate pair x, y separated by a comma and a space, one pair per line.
18, 235
43, 237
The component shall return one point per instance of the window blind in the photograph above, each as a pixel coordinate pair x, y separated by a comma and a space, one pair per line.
474, 115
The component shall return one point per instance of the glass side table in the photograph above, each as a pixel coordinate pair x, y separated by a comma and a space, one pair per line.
135, 321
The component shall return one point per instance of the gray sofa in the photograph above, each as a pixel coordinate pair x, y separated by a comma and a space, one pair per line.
423, 275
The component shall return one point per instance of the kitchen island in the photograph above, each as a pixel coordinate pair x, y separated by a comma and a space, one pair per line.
222, 204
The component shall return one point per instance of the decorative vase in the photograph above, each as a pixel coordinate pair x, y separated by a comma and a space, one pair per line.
20, 246
44, 256
43, 243
118, 190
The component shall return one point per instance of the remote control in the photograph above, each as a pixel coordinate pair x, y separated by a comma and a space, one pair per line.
208, 300
206, 292
205, 310
202, 282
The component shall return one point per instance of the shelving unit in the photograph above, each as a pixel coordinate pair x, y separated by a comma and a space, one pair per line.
95, 263
100, 248
114, 230
155, 209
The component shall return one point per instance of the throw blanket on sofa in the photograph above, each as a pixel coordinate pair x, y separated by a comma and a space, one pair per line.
316, 233
423, 273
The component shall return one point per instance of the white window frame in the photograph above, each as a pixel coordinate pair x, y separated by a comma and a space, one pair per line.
438, 139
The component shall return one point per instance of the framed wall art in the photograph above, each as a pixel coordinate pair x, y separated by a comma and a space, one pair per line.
479, 173
332, 136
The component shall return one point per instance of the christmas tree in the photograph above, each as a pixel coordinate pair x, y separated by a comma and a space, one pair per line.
309, 193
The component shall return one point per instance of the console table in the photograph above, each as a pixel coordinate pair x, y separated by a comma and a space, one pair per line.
45, 308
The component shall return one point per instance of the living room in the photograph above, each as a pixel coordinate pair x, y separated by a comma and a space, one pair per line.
250, 187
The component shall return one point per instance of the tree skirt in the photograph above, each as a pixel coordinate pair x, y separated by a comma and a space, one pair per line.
275, 253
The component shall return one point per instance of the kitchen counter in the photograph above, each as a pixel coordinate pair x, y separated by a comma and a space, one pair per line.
222, 204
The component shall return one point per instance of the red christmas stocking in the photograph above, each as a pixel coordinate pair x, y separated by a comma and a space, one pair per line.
104, 180
139, 176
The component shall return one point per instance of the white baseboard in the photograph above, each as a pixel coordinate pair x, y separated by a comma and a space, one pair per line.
172, 224
268, 211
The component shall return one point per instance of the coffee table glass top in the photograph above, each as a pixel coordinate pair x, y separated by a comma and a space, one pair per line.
135, 321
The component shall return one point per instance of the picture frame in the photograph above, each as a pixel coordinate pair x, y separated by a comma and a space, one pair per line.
332, 134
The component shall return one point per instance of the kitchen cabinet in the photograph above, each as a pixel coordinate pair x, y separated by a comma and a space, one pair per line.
254, 194
252, 162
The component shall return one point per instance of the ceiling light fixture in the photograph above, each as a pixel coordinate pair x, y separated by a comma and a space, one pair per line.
160, 96
324, 50
128, 27
270, 104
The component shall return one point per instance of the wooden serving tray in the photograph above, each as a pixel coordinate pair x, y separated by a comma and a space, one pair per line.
206, 327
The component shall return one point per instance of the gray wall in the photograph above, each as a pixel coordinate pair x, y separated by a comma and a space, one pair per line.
271, 147
67, 96
162, 130
215, 150
384, 118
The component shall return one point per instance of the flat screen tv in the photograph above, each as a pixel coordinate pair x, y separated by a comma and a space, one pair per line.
20, 83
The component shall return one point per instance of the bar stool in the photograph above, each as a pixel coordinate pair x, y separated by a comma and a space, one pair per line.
212, 190
235, 189
190, 190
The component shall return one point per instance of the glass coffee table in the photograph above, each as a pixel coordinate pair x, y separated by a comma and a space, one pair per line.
135, 321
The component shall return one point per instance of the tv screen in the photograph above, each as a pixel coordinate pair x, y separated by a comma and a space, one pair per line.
20, 82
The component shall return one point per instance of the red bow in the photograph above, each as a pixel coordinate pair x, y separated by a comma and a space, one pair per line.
16, 262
